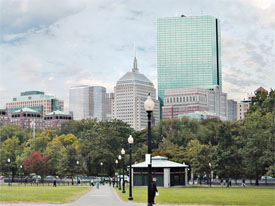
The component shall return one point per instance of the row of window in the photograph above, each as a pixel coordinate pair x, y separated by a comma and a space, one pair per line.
185, 99
26, 115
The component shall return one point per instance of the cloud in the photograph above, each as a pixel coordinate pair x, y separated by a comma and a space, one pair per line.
53, 45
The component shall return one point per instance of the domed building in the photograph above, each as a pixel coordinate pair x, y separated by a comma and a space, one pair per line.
131, 91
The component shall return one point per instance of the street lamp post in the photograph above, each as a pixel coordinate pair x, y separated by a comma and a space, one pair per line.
119, 172
149, 107
77, 163
117, 176
130, 141
9, 162
101, 163
21, 167
123, 183
210, 173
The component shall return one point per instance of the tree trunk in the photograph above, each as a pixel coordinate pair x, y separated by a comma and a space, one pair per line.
72, 180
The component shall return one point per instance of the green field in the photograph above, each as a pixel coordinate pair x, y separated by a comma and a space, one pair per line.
264, 196
41, 194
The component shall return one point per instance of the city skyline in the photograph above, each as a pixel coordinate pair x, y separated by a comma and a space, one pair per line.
50, 46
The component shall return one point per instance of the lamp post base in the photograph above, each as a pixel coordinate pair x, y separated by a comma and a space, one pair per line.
130, 198
123, 191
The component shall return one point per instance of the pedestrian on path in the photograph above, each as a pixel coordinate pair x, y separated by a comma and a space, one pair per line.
243, 184
154, 190
92, 182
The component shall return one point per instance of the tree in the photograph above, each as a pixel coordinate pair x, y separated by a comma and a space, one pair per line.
199, 156
54, 151
36, 163
103, 143
68, 164
11, 149
170, 150
227, 159
256, 132
177, 131
10, 131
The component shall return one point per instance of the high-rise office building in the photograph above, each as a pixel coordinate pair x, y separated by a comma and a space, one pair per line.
88, 102
232, 110
131, 92
110, 101
188, 53
37, 101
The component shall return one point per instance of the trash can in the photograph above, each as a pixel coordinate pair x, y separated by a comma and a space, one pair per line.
97, 185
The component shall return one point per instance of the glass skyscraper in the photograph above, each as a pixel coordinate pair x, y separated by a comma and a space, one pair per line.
188, 53
88, 102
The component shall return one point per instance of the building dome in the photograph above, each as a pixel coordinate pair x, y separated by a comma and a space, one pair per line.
134, 76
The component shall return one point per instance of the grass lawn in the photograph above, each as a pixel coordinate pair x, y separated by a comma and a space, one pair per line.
49, 194
264, 196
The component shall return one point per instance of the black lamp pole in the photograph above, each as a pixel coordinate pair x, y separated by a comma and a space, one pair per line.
150, 164
149, 107
119, 185
210, 173
130, 141
21, 166
116, 176
9, 163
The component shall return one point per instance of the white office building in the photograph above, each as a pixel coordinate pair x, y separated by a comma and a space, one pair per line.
131, 91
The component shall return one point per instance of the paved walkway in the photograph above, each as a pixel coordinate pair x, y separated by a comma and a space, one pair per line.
104, 196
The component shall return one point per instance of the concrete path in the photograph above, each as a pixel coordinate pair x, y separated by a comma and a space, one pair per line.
104, 196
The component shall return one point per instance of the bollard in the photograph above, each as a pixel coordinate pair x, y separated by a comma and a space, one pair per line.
97, 185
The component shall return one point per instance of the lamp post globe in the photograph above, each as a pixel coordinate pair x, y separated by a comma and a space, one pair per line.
130, 141
149, 108
149, 104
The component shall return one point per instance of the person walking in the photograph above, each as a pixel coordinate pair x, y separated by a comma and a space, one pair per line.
114, 181
110, 181
154, 190
243, 184
92, 182
222, 182
227, 182
54, 183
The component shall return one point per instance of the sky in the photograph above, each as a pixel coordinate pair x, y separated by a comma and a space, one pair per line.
52, 45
